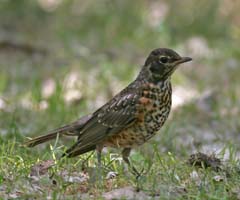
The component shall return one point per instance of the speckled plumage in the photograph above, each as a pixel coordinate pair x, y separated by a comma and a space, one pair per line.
131, 117
151, 113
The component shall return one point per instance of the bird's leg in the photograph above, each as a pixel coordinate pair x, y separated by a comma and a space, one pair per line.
99, 155
125, 155
97, 178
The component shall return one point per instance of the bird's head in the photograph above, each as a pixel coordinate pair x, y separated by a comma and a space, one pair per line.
162, 62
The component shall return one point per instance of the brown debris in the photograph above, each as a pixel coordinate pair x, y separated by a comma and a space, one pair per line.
202, 160
41, 168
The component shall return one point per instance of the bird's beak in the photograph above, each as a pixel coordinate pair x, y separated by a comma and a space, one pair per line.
183, 60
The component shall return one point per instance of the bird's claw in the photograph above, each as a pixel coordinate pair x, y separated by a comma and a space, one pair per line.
137, 173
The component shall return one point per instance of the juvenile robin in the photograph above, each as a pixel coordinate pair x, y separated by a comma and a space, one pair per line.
131, 117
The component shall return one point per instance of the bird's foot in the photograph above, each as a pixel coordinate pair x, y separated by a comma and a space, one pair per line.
136, 173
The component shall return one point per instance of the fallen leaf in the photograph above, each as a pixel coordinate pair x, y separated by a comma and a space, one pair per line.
41, 168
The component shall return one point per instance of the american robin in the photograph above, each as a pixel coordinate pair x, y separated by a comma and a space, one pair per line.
131, 117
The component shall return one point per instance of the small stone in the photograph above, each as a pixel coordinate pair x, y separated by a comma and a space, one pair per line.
111, 175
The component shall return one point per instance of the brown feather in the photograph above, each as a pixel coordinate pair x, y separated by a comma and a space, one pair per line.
68, 130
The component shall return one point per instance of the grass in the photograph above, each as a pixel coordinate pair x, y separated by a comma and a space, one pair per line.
207, 122
168, 176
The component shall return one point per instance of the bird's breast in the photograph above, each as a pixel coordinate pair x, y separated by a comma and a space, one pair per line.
153, 108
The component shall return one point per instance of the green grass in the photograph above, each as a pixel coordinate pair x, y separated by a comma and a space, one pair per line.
190, 128
104, 46
168, 176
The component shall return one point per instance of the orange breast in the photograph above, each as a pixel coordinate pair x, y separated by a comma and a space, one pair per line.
126, 138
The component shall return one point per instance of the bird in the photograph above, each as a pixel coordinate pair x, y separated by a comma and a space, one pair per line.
131, 117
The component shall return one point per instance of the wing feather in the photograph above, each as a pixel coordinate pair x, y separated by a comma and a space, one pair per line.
110, 119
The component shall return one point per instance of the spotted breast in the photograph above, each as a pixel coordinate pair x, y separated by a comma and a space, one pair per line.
153, 109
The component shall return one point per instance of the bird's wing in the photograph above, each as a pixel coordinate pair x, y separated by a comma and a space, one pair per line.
111, 118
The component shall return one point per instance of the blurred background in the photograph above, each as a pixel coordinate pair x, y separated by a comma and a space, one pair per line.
61, 59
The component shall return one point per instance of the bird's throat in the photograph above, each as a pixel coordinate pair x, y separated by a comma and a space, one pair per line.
159, 79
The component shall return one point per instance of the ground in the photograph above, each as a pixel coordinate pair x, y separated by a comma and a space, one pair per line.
61, 64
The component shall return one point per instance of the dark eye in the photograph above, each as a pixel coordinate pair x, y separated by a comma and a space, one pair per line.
163, 59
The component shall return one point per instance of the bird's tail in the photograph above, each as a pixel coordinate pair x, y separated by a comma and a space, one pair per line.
72, 129
66, 130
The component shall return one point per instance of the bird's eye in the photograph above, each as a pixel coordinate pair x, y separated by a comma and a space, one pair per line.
163, 59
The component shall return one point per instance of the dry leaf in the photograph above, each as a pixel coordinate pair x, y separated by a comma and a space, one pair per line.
41, 168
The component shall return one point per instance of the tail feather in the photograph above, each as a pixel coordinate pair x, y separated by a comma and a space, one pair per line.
66, 130
69, 130
38, 140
